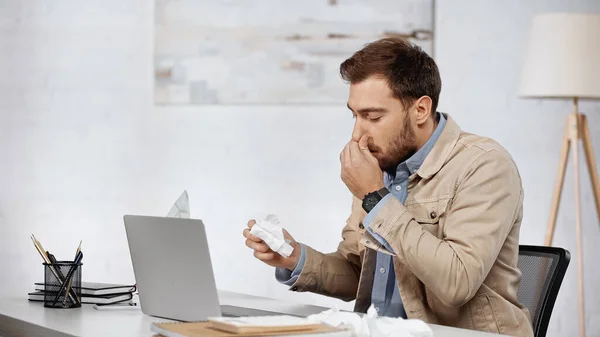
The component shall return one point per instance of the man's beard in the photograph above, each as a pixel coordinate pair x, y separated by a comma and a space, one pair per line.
401, 148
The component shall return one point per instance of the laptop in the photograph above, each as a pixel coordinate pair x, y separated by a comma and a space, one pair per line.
173, 270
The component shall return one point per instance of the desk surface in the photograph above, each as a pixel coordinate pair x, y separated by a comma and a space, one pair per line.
20, 317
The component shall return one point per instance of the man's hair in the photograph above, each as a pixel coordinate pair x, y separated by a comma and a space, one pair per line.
410, 72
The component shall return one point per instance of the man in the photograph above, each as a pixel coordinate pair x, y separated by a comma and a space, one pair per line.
434, 228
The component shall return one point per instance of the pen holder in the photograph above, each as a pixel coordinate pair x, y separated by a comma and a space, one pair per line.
62, 284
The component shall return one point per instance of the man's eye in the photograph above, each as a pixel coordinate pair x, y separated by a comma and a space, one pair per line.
374, 119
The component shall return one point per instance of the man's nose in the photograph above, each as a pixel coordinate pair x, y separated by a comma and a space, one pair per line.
357, 132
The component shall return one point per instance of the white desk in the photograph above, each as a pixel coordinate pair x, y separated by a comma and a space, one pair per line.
19, 317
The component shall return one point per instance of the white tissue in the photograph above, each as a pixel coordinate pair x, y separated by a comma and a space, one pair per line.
181, 208
271, 233
370, 325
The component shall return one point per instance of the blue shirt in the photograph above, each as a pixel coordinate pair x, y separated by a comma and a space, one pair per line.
385, 295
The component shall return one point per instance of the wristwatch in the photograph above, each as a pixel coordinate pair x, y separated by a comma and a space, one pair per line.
371, 199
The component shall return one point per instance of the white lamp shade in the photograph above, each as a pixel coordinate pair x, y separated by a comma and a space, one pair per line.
563, 57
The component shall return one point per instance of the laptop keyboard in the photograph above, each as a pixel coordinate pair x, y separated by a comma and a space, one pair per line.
233, 311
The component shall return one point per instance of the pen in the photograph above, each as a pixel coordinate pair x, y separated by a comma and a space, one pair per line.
69, 276
68, 290
53, 261
71, 280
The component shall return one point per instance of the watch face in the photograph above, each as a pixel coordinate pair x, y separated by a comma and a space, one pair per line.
370, 201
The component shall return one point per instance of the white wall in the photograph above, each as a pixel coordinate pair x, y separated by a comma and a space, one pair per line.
479, 49
81, 144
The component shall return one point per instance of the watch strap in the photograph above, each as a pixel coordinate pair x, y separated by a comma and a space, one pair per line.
383, 192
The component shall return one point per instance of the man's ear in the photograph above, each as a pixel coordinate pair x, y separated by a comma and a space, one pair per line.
423, 109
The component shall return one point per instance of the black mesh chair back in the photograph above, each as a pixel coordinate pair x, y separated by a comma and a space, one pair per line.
543, 269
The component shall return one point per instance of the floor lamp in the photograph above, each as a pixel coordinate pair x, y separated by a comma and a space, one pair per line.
563, 61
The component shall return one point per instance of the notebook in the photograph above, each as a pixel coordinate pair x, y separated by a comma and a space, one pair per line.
248, 327
96, 289
38, 296
280, 323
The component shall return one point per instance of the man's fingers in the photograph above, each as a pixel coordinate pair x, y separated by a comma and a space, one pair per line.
345, 156
354, 150
287, 235
257, 246
363, 143
247, 232
264, 256
249, 236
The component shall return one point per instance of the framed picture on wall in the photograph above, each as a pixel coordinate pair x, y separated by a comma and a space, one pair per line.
271, 51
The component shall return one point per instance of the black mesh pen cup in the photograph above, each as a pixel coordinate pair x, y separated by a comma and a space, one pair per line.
62, 284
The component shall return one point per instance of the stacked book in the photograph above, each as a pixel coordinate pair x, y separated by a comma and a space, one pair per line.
93, 293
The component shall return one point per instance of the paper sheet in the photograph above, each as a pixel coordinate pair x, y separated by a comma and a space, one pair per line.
181, 208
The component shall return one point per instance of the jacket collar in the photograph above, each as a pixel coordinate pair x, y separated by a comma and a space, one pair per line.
442, 149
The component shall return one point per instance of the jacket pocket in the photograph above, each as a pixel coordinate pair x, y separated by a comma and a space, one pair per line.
504, 313
483, 314
430, 213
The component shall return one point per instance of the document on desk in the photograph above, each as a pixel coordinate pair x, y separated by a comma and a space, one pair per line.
207, 329
263, 324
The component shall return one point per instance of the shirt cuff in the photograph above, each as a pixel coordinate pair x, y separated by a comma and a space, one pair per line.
369, 218
287, 277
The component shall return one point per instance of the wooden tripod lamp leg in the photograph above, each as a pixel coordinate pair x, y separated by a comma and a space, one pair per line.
591, 162
578, 225
560, 179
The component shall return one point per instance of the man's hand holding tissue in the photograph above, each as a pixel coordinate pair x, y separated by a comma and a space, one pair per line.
360, 169
267, 255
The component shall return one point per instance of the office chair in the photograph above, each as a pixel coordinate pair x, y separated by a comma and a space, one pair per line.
543, 269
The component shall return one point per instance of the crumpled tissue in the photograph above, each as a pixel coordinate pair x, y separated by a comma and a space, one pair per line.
181, 208
372, 325
271, 233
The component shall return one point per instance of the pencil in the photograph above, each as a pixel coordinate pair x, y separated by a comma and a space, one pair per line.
78, 249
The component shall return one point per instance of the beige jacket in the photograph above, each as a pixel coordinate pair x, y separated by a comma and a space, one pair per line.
456, 240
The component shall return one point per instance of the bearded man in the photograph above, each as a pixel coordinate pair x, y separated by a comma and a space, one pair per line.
434, 228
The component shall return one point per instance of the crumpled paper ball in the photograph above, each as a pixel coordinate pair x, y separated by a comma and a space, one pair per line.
271, 233
372, 325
